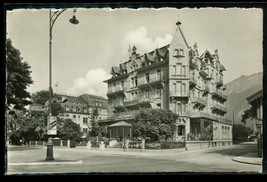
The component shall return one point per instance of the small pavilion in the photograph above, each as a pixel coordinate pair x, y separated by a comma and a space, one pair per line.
122, 130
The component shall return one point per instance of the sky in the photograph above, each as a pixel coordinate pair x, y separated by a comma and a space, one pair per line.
83, 54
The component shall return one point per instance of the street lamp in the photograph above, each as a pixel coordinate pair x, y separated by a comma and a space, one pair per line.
52, 19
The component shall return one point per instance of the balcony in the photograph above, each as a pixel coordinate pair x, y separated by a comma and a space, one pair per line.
219, 83
209, 76
219, 94
203, 73
123, 115
193, 64
206, 89
118, 91
131, 103
176, 94
200, 115
186, 113
199, 101
219, 108
153, 82
153, 65
193, 81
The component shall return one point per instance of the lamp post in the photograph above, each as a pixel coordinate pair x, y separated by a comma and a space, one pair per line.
52, 19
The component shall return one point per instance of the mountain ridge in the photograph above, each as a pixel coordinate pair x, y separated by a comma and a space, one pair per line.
237, 91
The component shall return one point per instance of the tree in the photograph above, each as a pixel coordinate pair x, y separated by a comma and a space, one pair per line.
206, 133
249, 113
241, 133
22, 126
41, 97
18, 78
95, 129
69, 130
156, 124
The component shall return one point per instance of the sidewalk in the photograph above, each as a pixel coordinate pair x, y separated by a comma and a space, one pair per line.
147, 152
251, 158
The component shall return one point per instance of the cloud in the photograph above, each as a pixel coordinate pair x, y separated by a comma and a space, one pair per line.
143, 42
92, 83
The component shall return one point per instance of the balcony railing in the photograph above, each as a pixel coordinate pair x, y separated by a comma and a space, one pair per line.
116, 90
219, 94
193, 80
199, 114
123, 115
219, 108
193, 64
179, 94
185, 113
199, 101
219, 82
154, 81
209, 76
131, 102
203, 73
209, 116
207, 88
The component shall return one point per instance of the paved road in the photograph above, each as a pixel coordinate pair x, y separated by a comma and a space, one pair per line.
94, 161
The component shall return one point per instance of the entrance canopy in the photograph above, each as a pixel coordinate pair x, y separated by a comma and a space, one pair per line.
121, 123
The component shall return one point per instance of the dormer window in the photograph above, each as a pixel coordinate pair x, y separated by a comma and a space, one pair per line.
179, 52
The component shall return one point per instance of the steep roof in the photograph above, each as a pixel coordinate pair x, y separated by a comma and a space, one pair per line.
163, 50
87, 96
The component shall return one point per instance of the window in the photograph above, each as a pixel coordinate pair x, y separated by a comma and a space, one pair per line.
85, 130
174, 87
135, 81
67, 115
159, 92
122, 84
74, 116
159, 106
179, 88
85, 120
174, 70
181, 52
132, 96
183, 89
147, 77
179, 108
136, 95
132, 82
184, 71
159, 75
147, 94
179, 69
183, 107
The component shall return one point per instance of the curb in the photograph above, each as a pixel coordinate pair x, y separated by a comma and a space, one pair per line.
245, 162
44, 163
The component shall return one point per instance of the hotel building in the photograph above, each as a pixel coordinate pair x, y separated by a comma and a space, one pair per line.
173, 77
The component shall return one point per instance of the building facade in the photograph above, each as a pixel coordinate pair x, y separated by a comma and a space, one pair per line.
256, 101
79, 109
174, 77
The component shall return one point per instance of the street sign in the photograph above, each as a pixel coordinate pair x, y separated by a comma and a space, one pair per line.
52, 125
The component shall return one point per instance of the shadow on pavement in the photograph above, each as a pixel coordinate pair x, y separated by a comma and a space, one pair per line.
21, 148
241, 150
